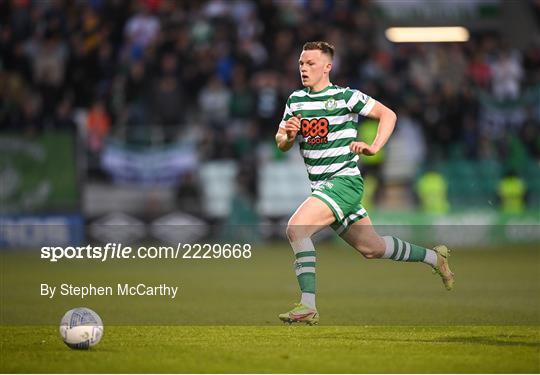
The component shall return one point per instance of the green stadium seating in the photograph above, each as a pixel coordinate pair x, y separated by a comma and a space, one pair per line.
474, 184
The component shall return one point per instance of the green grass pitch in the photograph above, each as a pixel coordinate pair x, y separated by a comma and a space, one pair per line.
376, 316
323, 349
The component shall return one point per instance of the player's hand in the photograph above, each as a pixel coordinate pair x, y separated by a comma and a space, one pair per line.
292, 126
363, 148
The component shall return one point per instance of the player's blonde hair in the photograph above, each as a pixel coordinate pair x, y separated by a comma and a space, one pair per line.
324, 47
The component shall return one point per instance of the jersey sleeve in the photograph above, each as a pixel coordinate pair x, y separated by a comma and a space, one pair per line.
358, 102
287, 114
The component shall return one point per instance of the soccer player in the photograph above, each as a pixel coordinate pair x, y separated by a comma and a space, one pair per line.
326, 118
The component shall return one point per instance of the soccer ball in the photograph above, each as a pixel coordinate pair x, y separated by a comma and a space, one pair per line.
81, 328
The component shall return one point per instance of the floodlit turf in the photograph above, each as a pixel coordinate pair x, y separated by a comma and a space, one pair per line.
376, 316
279, 349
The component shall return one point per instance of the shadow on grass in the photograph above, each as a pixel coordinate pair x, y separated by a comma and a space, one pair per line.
498, 340
485, 340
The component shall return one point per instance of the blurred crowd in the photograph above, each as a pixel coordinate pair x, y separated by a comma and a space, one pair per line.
137, 68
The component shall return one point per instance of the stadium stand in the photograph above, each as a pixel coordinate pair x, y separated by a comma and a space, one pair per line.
155, 72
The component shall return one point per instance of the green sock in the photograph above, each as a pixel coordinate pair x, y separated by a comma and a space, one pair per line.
304, 267
404, 251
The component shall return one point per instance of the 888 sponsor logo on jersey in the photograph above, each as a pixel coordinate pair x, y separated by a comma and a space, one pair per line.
315, 130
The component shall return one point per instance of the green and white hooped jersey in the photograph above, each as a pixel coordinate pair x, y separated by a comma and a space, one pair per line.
328, 126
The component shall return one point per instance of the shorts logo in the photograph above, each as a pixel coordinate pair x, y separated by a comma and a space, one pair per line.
328, 184
330, 104
315, 130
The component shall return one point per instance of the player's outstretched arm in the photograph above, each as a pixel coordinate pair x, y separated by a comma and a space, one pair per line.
387, 121
285, 136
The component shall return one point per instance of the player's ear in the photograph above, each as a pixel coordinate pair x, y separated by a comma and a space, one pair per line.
328, 67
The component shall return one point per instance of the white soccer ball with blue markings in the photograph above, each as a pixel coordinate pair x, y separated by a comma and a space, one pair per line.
81, 328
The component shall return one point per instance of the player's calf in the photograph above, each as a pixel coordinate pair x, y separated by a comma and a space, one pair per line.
370, 251
304, 268
366, 241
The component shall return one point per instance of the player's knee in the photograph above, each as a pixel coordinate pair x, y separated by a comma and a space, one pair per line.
296, 232
293, 233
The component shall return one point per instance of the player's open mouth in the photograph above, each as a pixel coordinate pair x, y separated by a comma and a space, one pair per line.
304, 77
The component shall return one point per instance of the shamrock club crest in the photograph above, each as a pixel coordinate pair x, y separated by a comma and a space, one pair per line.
330, 104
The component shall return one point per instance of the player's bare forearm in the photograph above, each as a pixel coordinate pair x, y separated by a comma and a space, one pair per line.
283, 143
387, 122
285, 136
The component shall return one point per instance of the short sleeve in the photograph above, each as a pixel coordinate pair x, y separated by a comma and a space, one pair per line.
358, 102
287, 114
